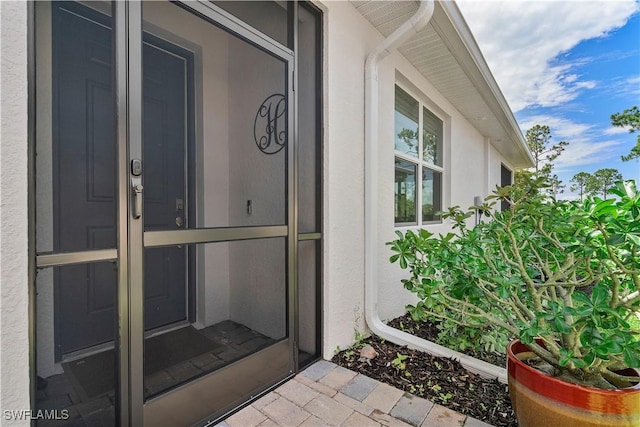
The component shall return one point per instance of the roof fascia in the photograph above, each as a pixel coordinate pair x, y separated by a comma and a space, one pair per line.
450, 25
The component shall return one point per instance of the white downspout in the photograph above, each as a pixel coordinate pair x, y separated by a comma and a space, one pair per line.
407, 30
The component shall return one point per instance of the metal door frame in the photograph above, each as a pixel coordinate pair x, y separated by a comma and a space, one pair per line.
131, 409
174, 404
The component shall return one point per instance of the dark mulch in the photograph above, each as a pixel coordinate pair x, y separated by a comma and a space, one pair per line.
440, 380
429, 331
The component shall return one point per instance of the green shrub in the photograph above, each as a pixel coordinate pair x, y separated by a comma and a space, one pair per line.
567, 273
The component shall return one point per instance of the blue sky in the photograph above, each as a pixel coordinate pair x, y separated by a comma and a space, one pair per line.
567, 64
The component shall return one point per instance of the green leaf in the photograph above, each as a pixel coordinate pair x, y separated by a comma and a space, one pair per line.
611, 347
624, 189
425, 234
605, 208
403, 263
634, 238
615, 239
565, 356
579, 311
631, 358
561, 325
581, 298
589, 358
503, 292
590, 337
600, 296
593, 235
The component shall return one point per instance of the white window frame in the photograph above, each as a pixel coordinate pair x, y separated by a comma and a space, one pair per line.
419, 161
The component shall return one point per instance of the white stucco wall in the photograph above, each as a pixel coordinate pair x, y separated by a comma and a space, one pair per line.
14, 324
348, 40
471, 168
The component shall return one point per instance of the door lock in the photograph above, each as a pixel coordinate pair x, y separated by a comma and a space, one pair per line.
136, 167
136, 187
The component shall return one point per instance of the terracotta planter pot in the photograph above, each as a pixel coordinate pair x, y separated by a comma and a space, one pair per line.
540, 400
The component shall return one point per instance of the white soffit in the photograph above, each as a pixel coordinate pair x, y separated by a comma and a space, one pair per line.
447, 55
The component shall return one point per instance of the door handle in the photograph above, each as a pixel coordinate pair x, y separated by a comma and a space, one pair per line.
136, 186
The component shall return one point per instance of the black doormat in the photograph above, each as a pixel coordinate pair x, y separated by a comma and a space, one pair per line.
94, 376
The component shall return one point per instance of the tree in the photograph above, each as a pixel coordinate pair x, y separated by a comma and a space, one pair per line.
429, 147
539, 142
629, 118
555, 186
410, 138
601, 181
544, 153
579, 181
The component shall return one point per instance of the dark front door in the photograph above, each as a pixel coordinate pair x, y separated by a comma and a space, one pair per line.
165, 132
85, 184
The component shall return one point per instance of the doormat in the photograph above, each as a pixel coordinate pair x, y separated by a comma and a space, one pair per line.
94, 376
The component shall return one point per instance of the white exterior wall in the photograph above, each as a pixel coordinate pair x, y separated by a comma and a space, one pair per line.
471, 168
348, 40
14, 301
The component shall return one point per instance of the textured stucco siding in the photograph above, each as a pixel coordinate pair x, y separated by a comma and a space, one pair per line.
348, 40
14, 323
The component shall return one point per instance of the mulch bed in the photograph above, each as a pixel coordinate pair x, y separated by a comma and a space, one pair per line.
440, 380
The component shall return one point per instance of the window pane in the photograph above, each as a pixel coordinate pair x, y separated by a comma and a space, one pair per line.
309, 347
270, 17
76, 191
406, 123
241, 293
235, 162
431, 138
310, 120
75, 328
405, 192
431, 195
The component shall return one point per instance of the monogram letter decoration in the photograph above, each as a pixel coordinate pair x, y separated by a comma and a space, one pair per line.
269, 130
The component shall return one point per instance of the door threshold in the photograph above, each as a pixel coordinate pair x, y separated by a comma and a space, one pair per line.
166, 328
85, 352
90, 351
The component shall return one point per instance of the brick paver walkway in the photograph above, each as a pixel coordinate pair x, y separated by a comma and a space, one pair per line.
329, 395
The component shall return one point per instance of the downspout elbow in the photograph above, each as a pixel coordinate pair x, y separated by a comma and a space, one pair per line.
403, 33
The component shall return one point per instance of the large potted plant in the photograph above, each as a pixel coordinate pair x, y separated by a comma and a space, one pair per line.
563, 277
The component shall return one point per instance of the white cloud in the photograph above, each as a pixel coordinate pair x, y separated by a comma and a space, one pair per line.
586, 143
522, 41
624, 87
634, 82
617, 130
582, 153
561, 128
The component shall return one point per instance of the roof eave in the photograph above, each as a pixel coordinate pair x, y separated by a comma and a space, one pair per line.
455, 33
